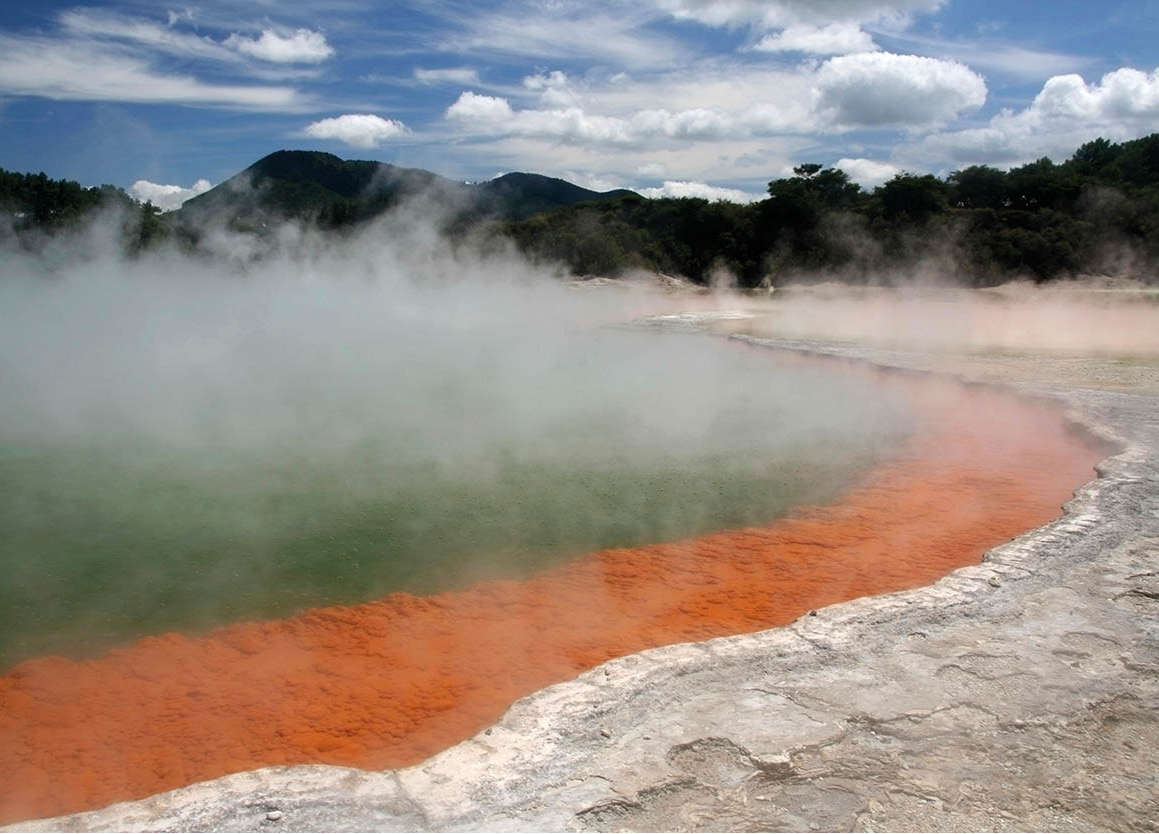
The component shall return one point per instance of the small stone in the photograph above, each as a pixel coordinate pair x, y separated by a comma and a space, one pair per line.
812, 613
274, 816
605, 734
993, 582
487, 732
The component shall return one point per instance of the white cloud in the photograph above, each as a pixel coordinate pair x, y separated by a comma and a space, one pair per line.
728, 102
774, 14
167, 197
301, 47
359, 130
867, 173
93, 23
554, 88
651, 169
142, 37
594, 181
82, 70
1066, 113
554, 80
473, 108
494, 115
450, 75
722, 104
833, 39
1017, 61
878, 89
617, 37
674, 188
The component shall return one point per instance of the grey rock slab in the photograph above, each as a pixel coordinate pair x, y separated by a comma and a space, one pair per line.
1021, 693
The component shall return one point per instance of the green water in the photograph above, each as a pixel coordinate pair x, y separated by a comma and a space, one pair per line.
113, 534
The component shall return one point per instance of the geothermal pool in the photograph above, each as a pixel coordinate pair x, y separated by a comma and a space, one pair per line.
622, 439
284, 517
388, 682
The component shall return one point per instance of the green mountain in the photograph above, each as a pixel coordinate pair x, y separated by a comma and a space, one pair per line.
336, 192
519, 196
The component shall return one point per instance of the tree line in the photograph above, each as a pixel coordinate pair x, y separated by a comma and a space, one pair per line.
33, 205
1041, 220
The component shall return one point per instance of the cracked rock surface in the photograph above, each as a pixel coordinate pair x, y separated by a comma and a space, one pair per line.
1021, 693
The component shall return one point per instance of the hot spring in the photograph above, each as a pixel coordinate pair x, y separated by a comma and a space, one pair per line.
171, 462
347, 509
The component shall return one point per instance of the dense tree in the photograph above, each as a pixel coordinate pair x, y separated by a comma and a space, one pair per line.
978, 187
1040, 219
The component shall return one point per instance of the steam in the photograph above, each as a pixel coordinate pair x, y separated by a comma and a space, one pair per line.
1115, 319
294, 419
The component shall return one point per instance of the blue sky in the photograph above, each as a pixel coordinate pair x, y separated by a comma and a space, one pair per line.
707, 97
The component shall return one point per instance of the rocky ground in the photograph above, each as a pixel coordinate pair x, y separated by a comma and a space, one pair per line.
1019, 694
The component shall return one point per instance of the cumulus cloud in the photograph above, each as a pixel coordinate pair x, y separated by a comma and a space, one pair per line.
546, 80
676, 188
877, 89
300, 47
816, 27
448, 75
868, 173
167, 197
554, 88
844, 93
491, 114
359, 130
1067, 112
474, 108
834, 39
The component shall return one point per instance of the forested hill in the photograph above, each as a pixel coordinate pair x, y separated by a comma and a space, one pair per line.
1096, 212
333, 192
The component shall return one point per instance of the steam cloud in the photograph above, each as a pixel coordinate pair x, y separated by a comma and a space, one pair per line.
298, 420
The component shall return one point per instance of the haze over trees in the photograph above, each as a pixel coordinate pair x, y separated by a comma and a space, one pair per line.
1097, 212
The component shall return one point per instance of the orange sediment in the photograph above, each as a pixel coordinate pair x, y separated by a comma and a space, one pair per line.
390, 682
